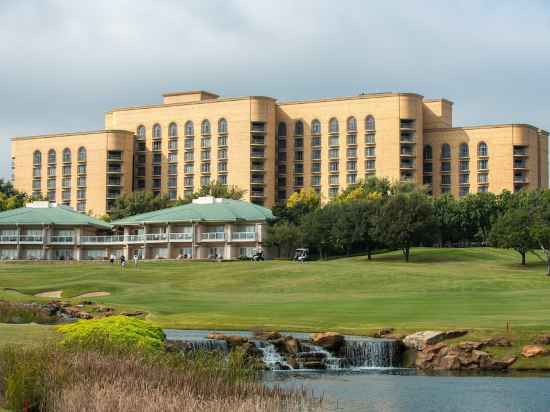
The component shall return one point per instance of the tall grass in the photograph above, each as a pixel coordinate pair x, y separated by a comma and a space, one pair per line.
14, 312
61, 380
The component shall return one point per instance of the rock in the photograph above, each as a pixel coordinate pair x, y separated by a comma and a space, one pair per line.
530, 351
216, 336
498, 341
236, 340
470, 345
287, 344
328, 340
543, 339
87, 303
267, 335
419, 340
383, 332
504, 364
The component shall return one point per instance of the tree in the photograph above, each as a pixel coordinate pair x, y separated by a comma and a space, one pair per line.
447, 216
214, 189
512, 230
283, 235
316, 227
11, 198
138, 202
478, 212
404, 220
298, 205
353, 227
539, 209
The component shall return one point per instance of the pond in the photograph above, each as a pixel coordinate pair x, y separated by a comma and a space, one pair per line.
404, 390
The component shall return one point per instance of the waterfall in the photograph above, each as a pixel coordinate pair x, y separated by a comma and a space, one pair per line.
272, 359
371, 353
206, 345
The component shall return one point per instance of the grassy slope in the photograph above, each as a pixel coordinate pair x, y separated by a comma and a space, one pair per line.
478, 288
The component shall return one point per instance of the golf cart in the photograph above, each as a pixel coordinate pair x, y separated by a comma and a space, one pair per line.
301, 255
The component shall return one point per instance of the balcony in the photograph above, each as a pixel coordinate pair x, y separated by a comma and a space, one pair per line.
243, 236
520, 164
257, 181
257, 167
186, 236
257, 141
134, 238
407, 152
96, 240
407, 165
520, 151
30, 239
257, 153
209, 236
156, 237
114, 157
65, 240
521, 179
257, 194
407, 138
407, 124
9, 239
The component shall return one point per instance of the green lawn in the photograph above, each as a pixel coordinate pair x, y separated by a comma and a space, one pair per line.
440, 288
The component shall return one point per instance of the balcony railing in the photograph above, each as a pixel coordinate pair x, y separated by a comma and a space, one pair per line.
181, 236
156, 237
61, 239
213, 236
9, 239
134, 238
101, 239
243, 236
520, 152
30, 239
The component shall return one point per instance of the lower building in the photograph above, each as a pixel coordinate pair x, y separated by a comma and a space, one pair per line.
273, 148
208, 228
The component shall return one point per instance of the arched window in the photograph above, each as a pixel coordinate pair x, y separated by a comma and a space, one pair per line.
189, 130
333, 125
82, 154
141, 132
37, 157
299, 128
463, 150
352, 124
315, 127
205, 127
173, 130
482, 149
157, 131
427, 152
66, 155
222, 126
51, 156
281, 129
445, 151
370, 124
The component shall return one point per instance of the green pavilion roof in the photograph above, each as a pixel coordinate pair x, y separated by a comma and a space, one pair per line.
49, 215
218, 210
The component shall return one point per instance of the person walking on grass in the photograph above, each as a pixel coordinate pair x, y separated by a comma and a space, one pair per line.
136, 258
112, 258
122, 262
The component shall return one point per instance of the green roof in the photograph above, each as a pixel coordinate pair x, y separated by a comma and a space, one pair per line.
226, 210
53, 215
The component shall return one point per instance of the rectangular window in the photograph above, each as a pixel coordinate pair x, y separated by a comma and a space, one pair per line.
81, 206
172, 194
428, 167
333, 141
298, 180
333, 180
188, 168
333, 191
51, 183
205, 168
352, 152
172, 169
51, 196
36, 172
281, 156
140, 171
172, 144
370, 164
51, 171
157, 157
351, 179
464, 179
463, 191
299, 142
66, 170
370, 138
281, 169
352, 165
188, 156
464, 165
446, 179
483, 178
66, 182
445, 166
483, 164
81, 194
316, 154
205, 154
482, 189
316, 180
222, 179
157, 145
172, 157
205, 180
299, 168
282, 144
81, 169
141, 158
222, 141
156, 183
188, 181
140, 147
316, 141
141, 184
205, 142
370, 151
66, 195
172, 182
36, 184
316, 168
222, 154
222, 166
157, 170
189, 143
352, 139
427, 180
333, 166
298, 155
333, 153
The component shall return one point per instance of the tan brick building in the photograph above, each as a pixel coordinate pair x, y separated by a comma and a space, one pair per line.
273, 148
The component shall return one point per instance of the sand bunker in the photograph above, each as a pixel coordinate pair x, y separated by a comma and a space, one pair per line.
93, 294
50, 294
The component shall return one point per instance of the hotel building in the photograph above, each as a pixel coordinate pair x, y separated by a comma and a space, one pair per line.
271, 149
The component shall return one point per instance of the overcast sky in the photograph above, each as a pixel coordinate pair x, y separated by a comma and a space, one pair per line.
64, 63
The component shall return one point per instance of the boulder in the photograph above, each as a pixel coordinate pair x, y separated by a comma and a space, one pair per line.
132, 314
383, 332
263, 335
470, 345
419, 340
543, 339
310, 360
530, 351
236, 340
498, 341
328, 340
216, 336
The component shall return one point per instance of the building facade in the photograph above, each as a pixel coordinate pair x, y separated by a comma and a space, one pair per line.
272, 149
208, 228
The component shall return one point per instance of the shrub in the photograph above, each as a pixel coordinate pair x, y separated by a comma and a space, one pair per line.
114, 333
14, 312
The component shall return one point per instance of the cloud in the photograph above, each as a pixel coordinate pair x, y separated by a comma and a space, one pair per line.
65, 63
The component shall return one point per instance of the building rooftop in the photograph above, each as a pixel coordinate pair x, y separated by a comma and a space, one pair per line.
43, 136
203, 209
45, 213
